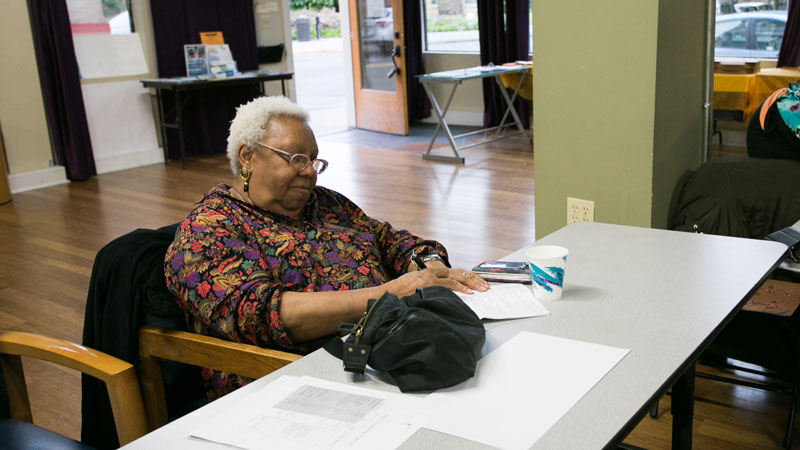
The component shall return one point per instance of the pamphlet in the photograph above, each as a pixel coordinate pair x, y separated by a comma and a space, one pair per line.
220, 61
219, 54
211, 37
196, 60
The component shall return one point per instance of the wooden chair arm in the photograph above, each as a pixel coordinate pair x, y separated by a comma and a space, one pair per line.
197, 350
206, 351
65, 353
119, 377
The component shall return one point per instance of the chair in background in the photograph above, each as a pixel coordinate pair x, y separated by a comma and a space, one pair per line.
156, 344
130, 314
748, 198
118, 376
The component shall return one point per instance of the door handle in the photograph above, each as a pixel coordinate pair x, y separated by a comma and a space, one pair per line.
394, 70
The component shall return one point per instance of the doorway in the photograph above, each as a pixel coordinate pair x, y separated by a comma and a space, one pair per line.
319, 69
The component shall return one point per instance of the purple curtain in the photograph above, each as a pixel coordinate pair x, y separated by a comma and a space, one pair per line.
61, 87
208, 114
789, 54
502, 41
419, 106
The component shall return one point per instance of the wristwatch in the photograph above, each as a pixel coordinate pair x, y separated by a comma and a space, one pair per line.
420, 260
431, 257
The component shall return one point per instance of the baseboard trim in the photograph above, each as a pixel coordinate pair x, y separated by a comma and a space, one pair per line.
121, 161
37, 179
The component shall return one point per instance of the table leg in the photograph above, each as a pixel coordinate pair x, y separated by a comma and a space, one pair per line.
510, 103
440, 113
179, 117
683, 409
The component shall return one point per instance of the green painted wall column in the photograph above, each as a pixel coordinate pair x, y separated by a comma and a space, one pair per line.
618, 110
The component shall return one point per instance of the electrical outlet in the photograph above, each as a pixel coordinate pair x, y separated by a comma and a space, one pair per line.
579, 210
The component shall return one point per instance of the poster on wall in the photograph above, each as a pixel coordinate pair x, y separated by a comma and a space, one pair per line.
196, 60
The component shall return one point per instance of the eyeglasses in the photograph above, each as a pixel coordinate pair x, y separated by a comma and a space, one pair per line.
300, 161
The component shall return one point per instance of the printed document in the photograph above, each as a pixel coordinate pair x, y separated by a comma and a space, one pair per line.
504, 301
309, 413
519, 390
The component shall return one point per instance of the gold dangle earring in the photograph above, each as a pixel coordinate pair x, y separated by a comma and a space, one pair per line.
244, 174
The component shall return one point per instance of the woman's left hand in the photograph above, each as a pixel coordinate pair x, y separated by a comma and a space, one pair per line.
459, 280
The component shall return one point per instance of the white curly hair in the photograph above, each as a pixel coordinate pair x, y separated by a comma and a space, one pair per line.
250, 124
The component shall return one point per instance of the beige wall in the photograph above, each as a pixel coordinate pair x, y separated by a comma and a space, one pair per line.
597, 88
21, 108
469, 96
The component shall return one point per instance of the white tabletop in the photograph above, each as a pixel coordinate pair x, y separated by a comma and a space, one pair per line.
662, 294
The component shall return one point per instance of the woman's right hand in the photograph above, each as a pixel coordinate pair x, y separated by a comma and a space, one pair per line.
459, 280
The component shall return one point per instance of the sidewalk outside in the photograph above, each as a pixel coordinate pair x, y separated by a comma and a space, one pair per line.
317, 45
320, 81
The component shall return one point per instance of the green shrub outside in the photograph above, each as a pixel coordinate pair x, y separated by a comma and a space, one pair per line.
452, 23
331, 33
313, 4
329, 23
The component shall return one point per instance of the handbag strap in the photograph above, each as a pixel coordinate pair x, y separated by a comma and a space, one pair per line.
762, 117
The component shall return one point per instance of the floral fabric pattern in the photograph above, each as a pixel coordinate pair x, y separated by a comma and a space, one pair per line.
231, 261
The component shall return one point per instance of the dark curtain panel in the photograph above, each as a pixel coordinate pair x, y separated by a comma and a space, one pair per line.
207, 115
61, 87
502, 41
789, 54
419, 106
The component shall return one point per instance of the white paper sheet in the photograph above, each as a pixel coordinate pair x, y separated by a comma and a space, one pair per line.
109, 55
520, 390
308, 413
504, 301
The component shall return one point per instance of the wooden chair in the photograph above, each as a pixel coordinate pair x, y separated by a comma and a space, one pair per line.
119, 377
197, 350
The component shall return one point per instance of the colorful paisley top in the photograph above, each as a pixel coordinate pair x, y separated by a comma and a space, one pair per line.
789, 107
231, 261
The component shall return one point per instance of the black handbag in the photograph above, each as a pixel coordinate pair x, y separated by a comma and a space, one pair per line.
425, 341
791, 238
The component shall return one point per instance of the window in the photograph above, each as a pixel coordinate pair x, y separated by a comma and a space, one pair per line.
100, 16
731, 34
450, 26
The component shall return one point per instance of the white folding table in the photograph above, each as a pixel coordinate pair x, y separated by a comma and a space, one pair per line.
662, 294
455, 78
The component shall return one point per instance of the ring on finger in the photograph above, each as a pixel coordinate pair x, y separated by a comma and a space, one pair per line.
465, 273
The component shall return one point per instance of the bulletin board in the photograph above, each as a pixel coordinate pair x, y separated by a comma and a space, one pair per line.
269, 22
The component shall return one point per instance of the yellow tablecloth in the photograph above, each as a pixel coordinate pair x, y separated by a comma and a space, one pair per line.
746, 92
510, 81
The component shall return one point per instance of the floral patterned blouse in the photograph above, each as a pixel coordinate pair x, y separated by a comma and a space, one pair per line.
231, 261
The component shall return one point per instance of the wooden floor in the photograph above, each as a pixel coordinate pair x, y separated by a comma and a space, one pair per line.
480, 210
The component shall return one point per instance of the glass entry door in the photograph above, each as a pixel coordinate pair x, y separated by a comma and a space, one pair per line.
378, 44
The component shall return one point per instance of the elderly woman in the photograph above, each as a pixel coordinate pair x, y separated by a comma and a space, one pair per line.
277, 261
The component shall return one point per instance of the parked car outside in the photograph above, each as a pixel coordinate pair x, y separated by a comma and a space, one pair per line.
751, 7
749, 35
379, 27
